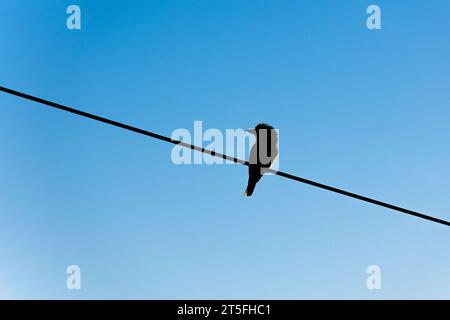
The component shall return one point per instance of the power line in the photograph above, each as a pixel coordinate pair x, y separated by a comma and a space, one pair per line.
220, 155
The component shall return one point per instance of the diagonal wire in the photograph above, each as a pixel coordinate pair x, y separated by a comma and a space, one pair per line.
220, 155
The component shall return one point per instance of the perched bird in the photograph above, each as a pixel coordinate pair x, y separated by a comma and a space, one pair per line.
262, 154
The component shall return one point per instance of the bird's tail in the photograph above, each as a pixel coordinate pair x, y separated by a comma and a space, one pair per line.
252, 180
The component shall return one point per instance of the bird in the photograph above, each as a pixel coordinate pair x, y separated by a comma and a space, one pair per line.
262, 154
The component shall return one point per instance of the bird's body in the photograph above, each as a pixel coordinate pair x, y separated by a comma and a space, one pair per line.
262, 154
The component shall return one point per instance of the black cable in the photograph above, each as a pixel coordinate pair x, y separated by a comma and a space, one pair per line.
217, 154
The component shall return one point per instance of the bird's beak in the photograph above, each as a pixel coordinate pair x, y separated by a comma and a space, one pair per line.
252, 131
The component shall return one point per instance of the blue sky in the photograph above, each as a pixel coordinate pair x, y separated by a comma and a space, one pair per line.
362, 110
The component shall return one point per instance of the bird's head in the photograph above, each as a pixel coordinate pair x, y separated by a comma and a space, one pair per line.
260, 126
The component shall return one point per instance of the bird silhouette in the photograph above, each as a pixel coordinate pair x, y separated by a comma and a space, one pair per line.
262, 154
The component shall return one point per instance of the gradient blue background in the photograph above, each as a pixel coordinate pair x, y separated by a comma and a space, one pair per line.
366, 111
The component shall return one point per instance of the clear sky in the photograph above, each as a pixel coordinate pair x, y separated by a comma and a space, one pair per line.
367, 111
